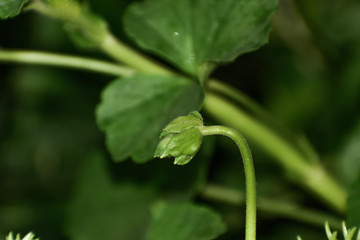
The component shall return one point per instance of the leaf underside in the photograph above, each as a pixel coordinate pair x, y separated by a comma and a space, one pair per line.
189, 33
134, 110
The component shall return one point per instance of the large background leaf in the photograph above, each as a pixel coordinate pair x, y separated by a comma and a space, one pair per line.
102, 209
191, 32
11, 8
184, 221
134, 110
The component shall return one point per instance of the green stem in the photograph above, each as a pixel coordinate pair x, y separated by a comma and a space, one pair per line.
123, 53
299, 143
220, 87
250, 227
59, 60
280, 208
310, 175
101, 35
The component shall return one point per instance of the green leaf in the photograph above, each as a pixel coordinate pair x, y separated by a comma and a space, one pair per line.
184, 221
11, 8
353, 217
349, 158
102, 209
191, 33
135, 109
180, 124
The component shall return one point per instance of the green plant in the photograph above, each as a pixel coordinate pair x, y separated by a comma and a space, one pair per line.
29, 236
191, 39
348, 233
182, 139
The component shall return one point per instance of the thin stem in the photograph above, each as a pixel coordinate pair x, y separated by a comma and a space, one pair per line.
250, 226
280, 208
59, 60
310, 175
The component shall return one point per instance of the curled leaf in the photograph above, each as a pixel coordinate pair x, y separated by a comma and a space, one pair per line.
181, 139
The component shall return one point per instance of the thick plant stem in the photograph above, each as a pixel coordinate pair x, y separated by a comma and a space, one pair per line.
310, 175
122, 53
298, 143
67, 61
250, 227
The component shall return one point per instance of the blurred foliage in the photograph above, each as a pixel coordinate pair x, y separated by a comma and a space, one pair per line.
177, 221
308, 77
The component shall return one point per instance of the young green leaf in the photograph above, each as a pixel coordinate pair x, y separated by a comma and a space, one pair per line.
135, 109
192, 33
11, 8
182, 146
184, 221
182, 123
181, 139
29, 236
348, 233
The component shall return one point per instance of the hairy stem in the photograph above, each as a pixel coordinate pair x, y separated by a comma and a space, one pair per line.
299, 169
67, 61
250, 227
280, 208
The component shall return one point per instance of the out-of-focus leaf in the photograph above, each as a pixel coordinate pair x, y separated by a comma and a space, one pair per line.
184, 221
82, 38
190, 33
284, 229
353, 216
104, 210
347, 15
85, 28
11, 8
134, 110
349, 158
